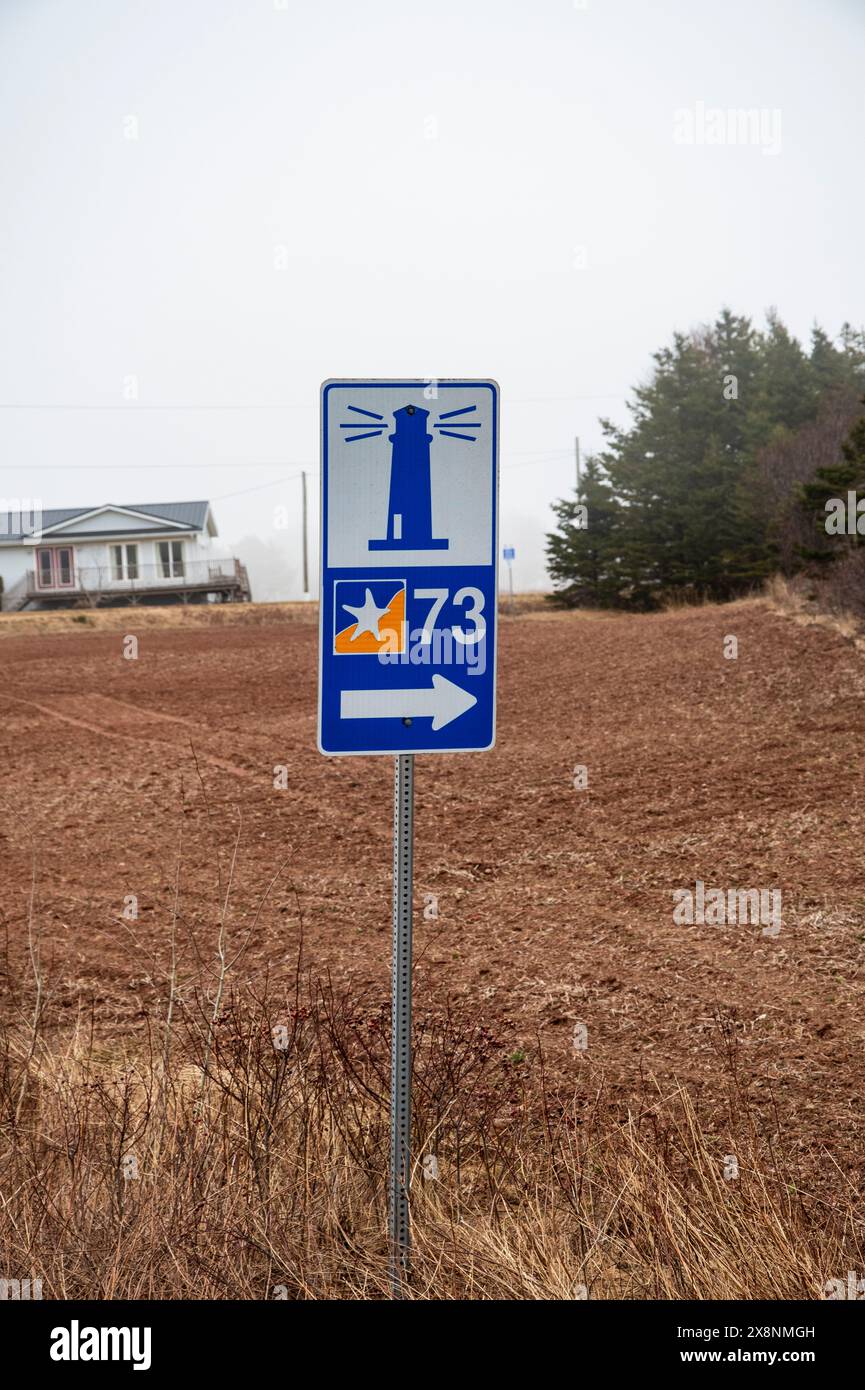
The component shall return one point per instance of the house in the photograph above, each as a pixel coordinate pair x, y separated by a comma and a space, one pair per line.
78, 557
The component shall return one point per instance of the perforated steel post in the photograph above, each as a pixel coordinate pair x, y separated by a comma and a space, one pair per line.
400, 1094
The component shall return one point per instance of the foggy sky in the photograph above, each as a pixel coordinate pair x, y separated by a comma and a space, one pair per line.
213, 205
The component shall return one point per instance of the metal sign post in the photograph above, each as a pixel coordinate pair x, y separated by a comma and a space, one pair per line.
400, 1092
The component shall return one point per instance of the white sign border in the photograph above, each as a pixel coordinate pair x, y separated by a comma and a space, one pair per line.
417, 383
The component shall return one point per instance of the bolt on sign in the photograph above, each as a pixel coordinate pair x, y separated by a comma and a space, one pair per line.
408, 598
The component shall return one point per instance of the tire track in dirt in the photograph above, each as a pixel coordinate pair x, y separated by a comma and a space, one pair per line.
145, 716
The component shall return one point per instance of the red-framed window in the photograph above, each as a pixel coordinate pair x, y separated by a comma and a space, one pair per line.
55, 567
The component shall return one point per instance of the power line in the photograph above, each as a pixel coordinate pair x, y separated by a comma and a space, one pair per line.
132, 407
136, 467
539, 456
274, 482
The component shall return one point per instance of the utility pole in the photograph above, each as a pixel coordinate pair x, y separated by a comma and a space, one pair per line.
577, 452
305, 543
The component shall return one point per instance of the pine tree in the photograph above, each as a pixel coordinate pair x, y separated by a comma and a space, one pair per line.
837, 369
787, 391
678, 467
827, 362
581, 552
684, 475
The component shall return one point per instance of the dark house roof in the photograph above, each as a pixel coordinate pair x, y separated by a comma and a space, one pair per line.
192, 516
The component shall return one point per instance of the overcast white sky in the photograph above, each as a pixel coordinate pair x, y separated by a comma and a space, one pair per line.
478, 187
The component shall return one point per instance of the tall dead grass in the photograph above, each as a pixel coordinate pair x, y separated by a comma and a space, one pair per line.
136, 617
248, 1160
813, 604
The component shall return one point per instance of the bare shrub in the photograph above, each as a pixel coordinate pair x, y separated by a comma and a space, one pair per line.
841, 589
793, 459
250, 1162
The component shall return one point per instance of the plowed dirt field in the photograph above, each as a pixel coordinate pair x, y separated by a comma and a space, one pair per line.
143, 778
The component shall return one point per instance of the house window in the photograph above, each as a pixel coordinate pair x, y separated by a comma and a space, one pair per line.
54, 567
63, 567
44, 568
171, 559
124, 562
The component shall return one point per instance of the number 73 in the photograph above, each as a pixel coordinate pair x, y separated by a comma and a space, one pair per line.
473, 600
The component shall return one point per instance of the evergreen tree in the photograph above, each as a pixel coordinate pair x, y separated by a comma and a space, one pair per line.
678, 466
827, 362
581, 552
786, 389
681, 486
838, 369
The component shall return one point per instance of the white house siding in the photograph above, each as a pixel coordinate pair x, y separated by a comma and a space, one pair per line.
93, 568
15, 561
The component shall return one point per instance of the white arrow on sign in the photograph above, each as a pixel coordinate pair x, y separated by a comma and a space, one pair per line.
443, 700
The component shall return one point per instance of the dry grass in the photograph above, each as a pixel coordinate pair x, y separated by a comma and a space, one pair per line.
137, 616
799, 599
239, 1162
197, 615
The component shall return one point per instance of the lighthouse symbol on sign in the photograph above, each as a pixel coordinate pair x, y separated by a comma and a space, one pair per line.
409, 517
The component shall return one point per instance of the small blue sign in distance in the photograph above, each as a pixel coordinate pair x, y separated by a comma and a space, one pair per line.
409, 521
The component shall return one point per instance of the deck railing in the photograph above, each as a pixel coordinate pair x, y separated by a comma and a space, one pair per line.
97, 579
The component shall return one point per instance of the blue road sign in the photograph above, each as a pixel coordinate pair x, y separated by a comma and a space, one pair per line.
409, 519
509, 553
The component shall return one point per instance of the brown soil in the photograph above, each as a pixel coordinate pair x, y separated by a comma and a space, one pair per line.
555, 904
